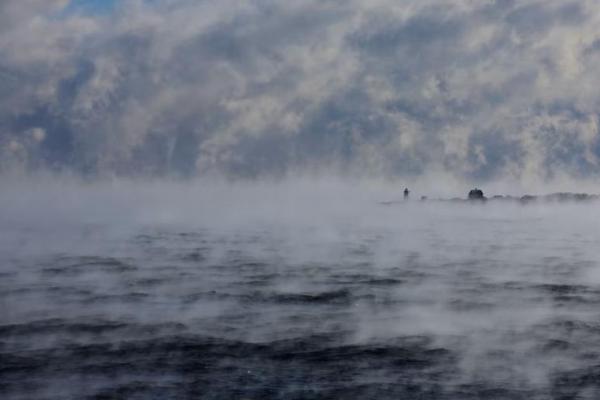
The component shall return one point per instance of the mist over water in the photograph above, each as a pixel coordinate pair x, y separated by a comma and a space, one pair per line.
203, 199
310, 289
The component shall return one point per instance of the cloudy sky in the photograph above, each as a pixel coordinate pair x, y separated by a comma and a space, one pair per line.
481, 89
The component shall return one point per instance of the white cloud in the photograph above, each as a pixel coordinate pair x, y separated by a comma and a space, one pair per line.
38, 134
481, 89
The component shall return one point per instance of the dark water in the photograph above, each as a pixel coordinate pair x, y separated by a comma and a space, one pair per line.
401, 303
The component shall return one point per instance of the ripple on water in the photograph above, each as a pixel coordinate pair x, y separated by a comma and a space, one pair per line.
276, 314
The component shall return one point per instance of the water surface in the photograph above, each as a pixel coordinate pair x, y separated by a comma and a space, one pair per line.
349, 301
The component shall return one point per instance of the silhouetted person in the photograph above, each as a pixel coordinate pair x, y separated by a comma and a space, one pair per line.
406, 192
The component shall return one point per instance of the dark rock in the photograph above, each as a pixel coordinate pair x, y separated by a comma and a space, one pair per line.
476, 194
527, 198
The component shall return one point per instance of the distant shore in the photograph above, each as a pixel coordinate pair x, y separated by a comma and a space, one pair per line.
559, 197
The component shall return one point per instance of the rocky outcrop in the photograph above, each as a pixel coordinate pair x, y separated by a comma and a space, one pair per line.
476, 194
560, 197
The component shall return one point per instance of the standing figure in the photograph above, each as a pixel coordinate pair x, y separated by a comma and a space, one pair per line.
406, 192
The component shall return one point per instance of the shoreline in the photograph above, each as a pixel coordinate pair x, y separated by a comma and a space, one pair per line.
558, 197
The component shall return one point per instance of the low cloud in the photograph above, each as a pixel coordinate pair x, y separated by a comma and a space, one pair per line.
480, 89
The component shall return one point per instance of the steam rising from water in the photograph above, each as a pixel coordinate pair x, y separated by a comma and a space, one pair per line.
482, 89
293, 290
305, 288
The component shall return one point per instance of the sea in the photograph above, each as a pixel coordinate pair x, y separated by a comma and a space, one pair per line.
163, 291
